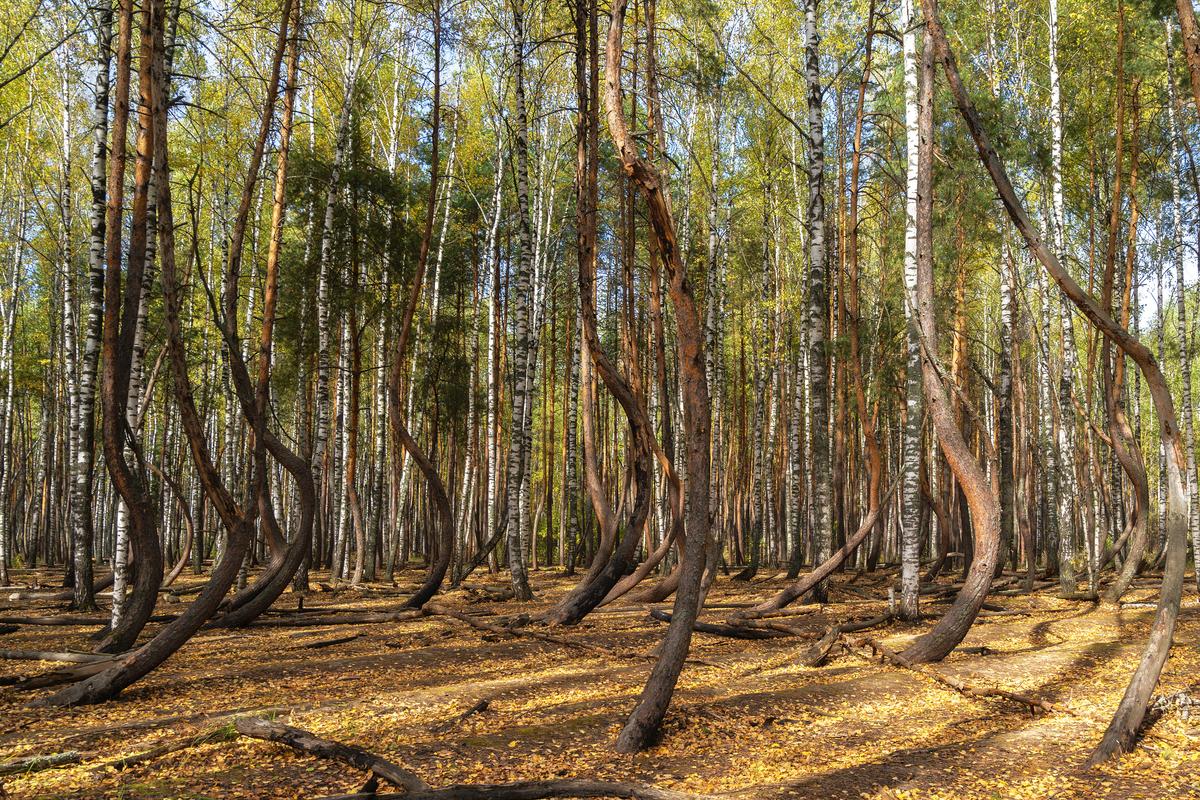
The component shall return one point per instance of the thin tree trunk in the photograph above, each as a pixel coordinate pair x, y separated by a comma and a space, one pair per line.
402, 439
910, 493
1185, 361
120, 321
84, 469
818, 301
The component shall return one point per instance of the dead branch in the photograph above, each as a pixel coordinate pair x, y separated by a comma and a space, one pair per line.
818, 653
886, 654
417, 789
221, 733
38, 763
729, 631
45, 655
328, 642
478, 708
312, 744
534, 790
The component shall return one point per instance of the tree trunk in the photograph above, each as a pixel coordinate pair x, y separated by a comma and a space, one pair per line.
644, 722
910, 493
1185, 361
818, 301
84, 468
980, 494
522, 329
120, 321
1122, 730
402, 440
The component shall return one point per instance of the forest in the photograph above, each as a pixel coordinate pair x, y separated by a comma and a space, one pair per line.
513, 399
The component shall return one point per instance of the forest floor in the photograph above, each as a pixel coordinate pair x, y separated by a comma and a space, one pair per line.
746, 722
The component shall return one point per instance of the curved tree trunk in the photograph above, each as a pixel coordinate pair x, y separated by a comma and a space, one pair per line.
644, 722
401, 438
809, 582
258, 597
606, 568
120, 321
1121, 434
1122, 730
239, 522
981, 496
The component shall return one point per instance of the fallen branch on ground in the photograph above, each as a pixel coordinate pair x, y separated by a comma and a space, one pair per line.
301, 620
478, 708
886, 654
65, 619
504, 630
38, 763
73, 620
417, 789
728, 631
312, 744
57, 677
818, 654
222, 733
328, 642
534, 790
45, 655
794, 611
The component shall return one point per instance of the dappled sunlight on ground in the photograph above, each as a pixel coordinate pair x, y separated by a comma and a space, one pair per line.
747, 720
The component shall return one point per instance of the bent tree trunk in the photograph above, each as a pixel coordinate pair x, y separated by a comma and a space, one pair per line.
120, 321
606, 568
644, 722
401, 438
809, 582
248, 605
980, 494
107, 684
1122, 730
